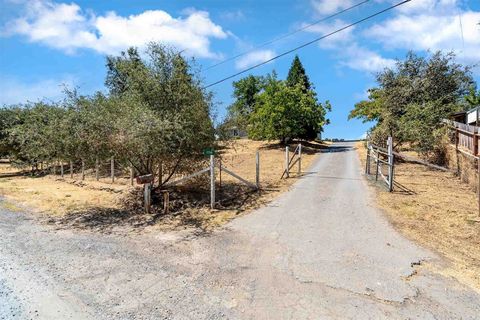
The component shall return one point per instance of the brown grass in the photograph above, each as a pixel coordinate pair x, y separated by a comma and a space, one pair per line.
101, 204
438, 211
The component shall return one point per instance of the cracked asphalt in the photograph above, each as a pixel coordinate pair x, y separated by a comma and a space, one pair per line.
319, 251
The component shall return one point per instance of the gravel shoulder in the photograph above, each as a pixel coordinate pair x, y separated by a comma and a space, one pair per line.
321, 250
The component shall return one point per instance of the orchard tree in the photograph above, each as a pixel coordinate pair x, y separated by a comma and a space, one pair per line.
165, 87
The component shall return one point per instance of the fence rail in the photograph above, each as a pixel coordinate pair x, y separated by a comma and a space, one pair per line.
381, 158
466, 136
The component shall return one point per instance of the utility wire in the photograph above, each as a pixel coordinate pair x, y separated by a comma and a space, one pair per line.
286, 35
307, 43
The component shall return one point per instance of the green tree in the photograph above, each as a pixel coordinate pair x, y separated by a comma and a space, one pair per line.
36, 137
473, 99
245, 92
9, 118
412, 98
165, 84
298, 76
281, 112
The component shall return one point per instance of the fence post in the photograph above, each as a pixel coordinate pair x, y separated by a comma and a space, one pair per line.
212, 182
147, 196
478, 186
377, 163
390, 163
83, 169
96, 169
131, 175
112, 169
367, 165
54, 168
61, 168
299, 158
257, 169
71, 169
287, 162
160, 173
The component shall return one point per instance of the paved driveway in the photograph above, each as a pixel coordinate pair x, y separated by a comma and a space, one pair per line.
320, 251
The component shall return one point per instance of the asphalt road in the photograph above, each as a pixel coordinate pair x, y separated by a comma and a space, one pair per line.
320, 251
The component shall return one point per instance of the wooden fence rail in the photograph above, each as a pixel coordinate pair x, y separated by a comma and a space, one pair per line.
466, 136
381, 157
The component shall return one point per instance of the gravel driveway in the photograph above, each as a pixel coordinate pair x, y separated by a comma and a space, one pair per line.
320, 251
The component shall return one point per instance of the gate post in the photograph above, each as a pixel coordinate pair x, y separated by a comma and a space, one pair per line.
299, 158
367, 165
112, 169
212, 182
390, 163
83, 169
147, 196
287, 162
96, 169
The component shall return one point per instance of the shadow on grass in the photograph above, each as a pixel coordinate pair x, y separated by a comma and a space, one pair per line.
188, 207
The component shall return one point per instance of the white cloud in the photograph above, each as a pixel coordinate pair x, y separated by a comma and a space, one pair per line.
347, 50
418, 25
67, 27
323, 7
14, 91
253, 58
363, 59
236, 15
434, 30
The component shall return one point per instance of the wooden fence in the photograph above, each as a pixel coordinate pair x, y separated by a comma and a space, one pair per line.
466, 136
382, 158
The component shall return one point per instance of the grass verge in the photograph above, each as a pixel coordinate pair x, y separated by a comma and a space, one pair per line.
437, 211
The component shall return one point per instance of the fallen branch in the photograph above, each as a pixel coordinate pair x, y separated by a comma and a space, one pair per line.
422, 162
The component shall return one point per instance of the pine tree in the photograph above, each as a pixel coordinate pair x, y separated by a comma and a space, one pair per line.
297, 75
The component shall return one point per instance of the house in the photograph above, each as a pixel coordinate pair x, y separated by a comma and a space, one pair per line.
236, 132
471, 117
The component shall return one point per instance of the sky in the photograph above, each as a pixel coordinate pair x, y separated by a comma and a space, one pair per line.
46, 45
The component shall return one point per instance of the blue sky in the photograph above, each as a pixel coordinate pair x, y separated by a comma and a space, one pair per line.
45, 44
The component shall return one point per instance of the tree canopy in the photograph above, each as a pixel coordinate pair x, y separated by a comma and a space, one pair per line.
156, 113
413, 97
269, 108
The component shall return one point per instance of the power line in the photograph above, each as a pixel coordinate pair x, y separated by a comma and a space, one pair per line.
308, 43
286, 35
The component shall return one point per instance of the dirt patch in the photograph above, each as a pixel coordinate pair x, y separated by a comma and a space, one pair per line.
106, 206
439, 211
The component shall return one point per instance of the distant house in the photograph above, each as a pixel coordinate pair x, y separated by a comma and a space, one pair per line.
236, 132
471, 116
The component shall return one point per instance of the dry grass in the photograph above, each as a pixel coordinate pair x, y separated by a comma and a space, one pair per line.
100, 204
440, 212
236, 199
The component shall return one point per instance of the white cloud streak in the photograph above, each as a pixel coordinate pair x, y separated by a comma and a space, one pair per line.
349, 52
253, 58
323, 7
67, 27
